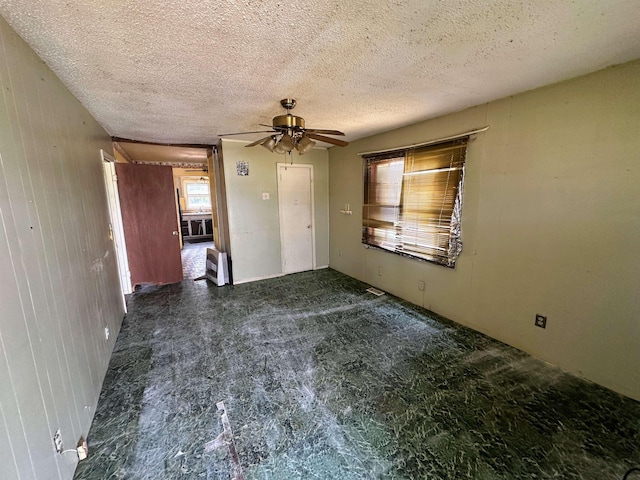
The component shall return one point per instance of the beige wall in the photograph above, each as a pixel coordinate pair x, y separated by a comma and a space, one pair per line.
254, 227
551, 225
59, 284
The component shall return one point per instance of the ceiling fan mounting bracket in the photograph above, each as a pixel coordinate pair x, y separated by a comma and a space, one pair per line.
288, 103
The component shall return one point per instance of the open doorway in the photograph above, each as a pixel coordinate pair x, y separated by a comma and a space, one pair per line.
193, 203
194, 193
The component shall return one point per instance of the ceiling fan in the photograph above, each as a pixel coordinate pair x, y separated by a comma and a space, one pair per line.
288, 132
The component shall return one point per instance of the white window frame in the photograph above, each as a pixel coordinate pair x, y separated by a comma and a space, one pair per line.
185, 193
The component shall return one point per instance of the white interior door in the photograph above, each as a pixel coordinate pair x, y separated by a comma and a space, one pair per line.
117, 229
297, 232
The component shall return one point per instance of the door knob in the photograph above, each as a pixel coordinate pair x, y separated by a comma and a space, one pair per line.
175, 232
308, 226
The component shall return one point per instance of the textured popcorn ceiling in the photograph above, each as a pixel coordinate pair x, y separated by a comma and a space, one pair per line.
181, 71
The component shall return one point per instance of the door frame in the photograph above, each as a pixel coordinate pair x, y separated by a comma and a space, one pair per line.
116, 228
216, 167
308, 166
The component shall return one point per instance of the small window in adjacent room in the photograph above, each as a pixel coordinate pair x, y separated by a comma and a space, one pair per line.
197, 194
413, 201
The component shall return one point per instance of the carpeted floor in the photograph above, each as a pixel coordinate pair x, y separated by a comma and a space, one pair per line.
307, 376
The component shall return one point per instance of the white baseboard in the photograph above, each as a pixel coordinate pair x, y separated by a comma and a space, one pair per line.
275, 275
255, 279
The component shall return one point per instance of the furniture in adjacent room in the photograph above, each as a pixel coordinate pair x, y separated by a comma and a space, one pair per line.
197, 226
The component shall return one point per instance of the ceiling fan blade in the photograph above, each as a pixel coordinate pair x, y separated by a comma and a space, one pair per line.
322, 138
257, 142
275, 128
326, 132
243, 133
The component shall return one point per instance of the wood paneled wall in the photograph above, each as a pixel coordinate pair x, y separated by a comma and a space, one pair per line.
58, 277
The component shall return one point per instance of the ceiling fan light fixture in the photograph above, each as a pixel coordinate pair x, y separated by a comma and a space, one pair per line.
269, 143
286, 143
278, 148
304, 145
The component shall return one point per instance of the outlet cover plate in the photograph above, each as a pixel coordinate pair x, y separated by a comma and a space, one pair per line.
541, 321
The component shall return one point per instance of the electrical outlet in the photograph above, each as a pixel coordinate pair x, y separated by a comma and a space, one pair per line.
421, 285
379, 271
57, 441
107, 333
541, 321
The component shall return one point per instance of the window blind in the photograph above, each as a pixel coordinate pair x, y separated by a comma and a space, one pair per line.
413, 201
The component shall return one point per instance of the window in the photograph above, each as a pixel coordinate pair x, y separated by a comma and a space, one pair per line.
413, 201
197, 194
